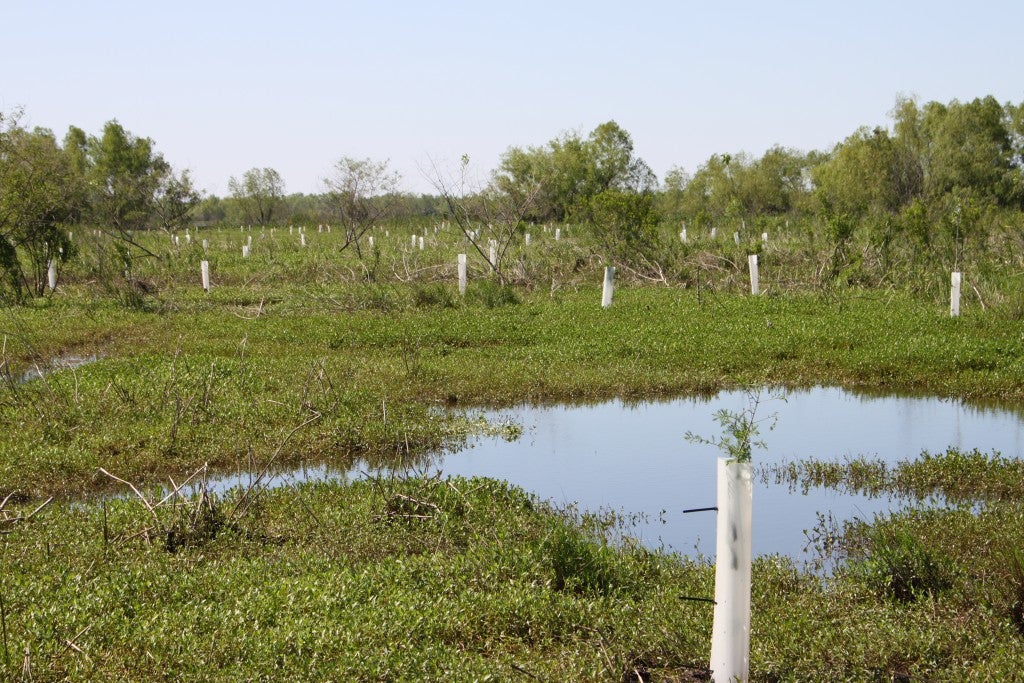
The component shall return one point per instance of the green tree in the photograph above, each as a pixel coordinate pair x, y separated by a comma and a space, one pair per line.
124, 174
625, 223
259, 193
862, 175
174, 201
673, 192
562, 177
970, 148
41, 195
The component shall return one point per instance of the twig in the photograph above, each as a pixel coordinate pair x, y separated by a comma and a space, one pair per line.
3, 627
45, 503
70, 642
177, 488
137, 493
246, 499
980, 300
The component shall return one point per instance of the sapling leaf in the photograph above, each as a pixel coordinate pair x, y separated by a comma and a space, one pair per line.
740, 430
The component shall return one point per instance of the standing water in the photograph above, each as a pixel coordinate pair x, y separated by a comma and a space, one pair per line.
635, 459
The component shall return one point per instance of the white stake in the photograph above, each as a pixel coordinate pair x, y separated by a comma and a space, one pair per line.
954, 295
609, 286
755, 284
204, 269
730, 633
51, 275
462, 274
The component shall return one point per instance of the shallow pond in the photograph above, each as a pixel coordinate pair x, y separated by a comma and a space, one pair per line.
635, 458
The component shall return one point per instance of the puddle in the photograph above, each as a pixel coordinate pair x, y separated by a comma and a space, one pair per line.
68, 362
634, 458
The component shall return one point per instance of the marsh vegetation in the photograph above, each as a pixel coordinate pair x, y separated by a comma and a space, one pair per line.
340, 339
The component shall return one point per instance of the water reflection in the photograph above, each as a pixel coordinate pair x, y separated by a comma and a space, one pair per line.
633, 457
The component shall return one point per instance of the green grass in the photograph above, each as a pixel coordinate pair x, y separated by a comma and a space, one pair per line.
204, 383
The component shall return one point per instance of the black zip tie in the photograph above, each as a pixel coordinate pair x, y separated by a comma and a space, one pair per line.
687, 597
715, 508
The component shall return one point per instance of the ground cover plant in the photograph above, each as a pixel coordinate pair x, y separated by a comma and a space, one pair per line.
311, 354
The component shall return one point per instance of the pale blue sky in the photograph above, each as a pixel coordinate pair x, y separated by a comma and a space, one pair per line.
222, 87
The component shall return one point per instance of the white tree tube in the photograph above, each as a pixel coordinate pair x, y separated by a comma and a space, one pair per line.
609, 286
954, 295
51, 274
527, 239
204, 269
206, 246
714, 231
755, 283
462, 274
736, 237
421, 244
302, 240
558, 234
492, 253
371, 241
764, 238
245, 251
682, 236
730, 634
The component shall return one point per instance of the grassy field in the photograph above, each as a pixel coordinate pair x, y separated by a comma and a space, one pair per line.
310, 355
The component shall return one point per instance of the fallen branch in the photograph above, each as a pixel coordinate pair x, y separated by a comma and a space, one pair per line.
137, 493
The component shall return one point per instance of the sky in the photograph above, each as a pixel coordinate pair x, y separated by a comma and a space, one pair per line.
222, 87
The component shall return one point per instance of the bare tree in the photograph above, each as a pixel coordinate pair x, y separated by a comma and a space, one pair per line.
361, 193
485, 214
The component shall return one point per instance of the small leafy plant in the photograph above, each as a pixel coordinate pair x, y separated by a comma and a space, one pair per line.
740, 430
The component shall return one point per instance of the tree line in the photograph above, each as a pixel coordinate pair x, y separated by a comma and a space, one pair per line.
936, 176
